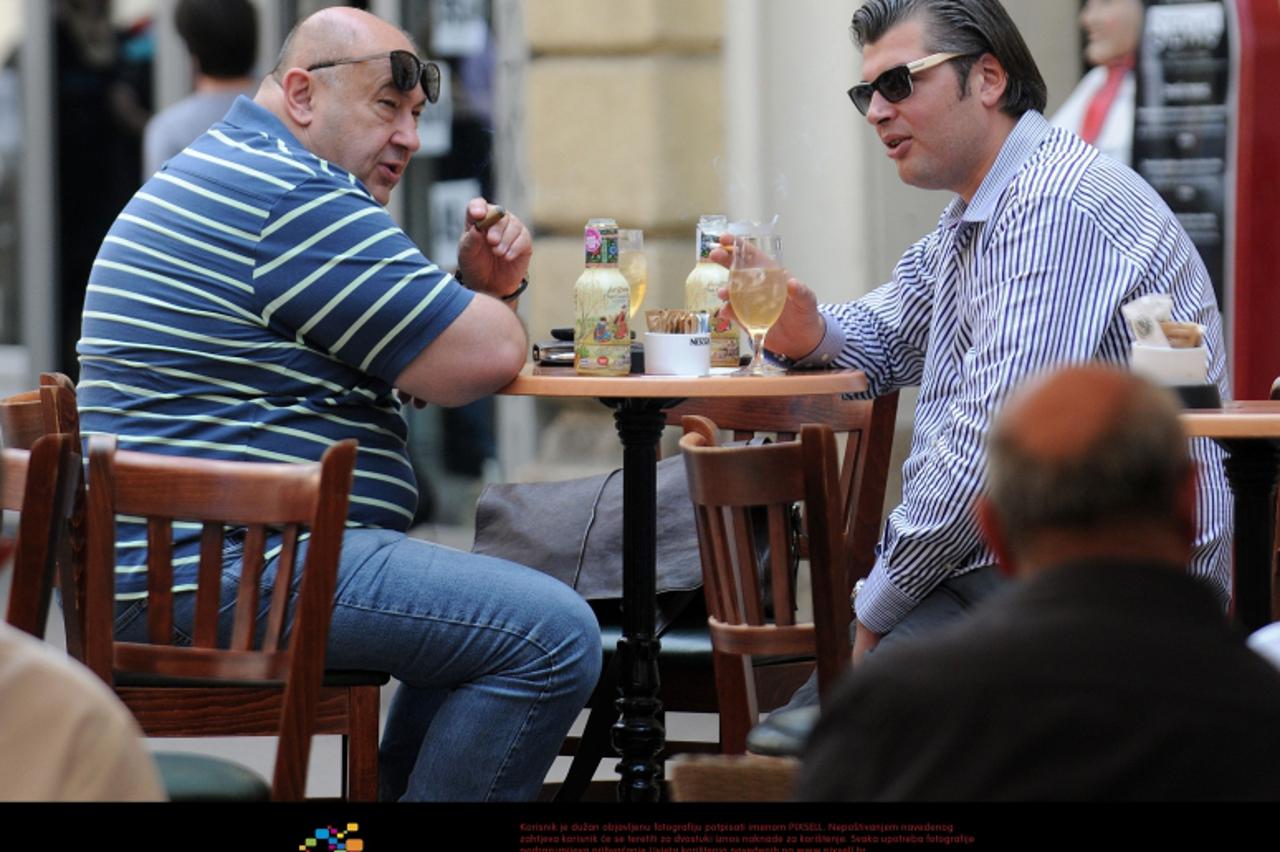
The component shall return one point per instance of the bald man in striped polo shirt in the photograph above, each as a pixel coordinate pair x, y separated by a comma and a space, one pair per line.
255, 302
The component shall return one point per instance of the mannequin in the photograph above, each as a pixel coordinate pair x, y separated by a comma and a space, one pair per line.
1100, 108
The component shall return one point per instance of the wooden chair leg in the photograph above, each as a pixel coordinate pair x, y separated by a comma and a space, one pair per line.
361, 744
735, 678
593, 745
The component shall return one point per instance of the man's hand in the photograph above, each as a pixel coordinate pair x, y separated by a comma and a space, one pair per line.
799, 329
494, 260
863, 641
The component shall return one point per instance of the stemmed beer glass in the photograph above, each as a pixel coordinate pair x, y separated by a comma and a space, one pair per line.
758, 292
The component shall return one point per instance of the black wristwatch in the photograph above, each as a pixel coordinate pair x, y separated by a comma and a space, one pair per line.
510, 297
515, 294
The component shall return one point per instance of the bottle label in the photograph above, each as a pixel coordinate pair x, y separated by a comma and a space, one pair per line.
707, 240
592, 243
701, 294
602, 336
601, 247
724, 340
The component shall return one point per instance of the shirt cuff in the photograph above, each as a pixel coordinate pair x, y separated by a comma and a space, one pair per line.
880, 604
828, 348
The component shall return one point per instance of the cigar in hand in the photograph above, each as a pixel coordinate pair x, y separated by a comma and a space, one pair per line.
491, 218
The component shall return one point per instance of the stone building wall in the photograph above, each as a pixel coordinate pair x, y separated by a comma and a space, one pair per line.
623, 118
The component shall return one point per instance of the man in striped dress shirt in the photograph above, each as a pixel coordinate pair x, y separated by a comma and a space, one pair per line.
254, 301
1026, 270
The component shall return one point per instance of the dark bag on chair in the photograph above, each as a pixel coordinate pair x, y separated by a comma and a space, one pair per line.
572, 530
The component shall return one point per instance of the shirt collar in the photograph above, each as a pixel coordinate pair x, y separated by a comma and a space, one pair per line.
1026, 136
250, 116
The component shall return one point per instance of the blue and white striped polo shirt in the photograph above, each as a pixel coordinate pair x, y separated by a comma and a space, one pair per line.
1028, 276
254, 302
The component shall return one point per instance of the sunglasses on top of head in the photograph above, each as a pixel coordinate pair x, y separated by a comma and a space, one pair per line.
895, 84
407, 71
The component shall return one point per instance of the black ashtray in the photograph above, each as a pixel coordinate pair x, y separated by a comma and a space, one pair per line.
1198, 396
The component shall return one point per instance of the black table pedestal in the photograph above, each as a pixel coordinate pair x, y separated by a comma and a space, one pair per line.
1251, 470
638, 735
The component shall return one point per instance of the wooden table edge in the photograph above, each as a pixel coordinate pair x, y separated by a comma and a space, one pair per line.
563, 382
1252, 419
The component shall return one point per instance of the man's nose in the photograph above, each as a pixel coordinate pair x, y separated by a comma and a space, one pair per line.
406, 134
879, 109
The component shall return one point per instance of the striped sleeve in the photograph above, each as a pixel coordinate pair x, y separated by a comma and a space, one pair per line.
337, 274
1043, 290
886, 333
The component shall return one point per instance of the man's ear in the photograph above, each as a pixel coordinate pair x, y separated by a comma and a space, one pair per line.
993, 532
992, 80
299, 91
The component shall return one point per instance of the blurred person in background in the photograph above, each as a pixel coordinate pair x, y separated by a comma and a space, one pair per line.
104, 101
222, 38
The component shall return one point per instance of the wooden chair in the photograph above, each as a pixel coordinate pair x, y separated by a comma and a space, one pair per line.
40, 484
725, 483
24, 418
350, 701
686, 658
260, 497
867, 428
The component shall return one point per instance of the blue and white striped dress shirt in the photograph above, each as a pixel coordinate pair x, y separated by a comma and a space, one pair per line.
1030, 275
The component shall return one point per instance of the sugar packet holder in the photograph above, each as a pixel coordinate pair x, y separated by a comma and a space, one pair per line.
670, 321
1144, 316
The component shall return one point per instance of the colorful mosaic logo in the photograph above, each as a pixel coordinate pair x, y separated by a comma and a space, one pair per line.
332, 839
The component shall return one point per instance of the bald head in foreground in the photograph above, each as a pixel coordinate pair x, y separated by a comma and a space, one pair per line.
1088, 463
1105, 673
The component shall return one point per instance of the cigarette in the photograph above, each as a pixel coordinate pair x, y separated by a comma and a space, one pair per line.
491, 218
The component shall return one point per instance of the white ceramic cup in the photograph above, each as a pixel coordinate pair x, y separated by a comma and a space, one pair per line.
677, 354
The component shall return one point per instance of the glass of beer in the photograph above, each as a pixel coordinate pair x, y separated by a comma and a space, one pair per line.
757, 292
632, 264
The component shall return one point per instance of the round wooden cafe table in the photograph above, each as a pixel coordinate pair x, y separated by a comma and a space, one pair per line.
638, 402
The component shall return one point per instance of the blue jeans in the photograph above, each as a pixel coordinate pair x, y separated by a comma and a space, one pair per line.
494, 660
949, 602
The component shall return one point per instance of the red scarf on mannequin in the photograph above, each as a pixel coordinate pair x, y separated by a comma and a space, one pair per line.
1100, 105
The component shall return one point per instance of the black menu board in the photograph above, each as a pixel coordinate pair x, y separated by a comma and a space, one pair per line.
1181, 124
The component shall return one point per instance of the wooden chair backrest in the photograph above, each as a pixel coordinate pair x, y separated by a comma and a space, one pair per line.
867, 426
29, 415
38, 483
24, 418
262, 498
726, 484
